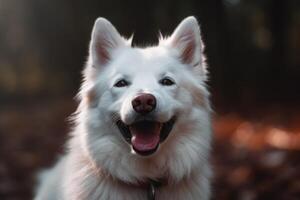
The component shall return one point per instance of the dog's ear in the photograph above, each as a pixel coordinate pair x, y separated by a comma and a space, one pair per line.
187, 40
105, 39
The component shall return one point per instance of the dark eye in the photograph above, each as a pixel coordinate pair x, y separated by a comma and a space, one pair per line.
167, 81
121, 83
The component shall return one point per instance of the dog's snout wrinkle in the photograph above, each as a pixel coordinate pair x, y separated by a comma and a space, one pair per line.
144, 103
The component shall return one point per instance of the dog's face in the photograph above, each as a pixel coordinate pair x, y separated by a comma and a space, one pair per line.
136, 100
144, 97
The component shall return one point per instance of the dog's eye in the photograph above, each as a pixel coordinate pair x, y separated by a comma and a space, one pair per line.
121, 83
167, 81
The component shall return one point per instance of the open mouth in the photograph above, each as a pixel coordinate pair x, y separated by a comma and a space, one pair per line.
145, 136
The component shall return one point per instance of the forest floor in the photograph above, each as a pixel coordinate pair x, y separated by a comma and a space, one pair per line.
254, 157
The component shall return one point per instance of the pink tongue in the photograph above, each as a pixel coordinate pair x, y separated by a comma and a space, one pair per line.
145, 135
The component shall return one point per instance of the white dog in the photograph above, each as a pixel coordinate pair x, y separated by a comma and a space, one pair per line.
142, 129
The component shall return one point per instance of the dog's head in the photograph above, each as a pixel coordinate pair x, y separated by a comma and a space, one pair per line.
144, 103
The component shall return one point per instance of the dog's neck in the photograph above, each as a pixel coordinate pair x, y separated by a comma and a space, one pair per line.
149, 185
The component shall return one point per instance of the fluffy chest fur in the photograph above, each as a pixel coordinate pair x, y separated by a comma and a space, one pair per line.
87, 181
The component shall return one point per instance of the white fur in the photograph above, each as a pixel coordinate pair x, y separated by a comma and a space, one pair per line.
99, 163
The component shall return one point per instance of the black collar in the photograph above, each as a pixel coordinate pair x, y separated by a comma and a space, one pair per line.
151, 186
151, 190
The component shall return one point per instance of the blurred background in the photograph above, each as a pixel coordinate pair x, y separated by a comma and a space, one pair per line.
253, 50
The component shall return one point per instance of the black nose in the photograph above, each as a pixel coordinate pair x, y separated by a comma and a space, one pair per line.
144, 103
